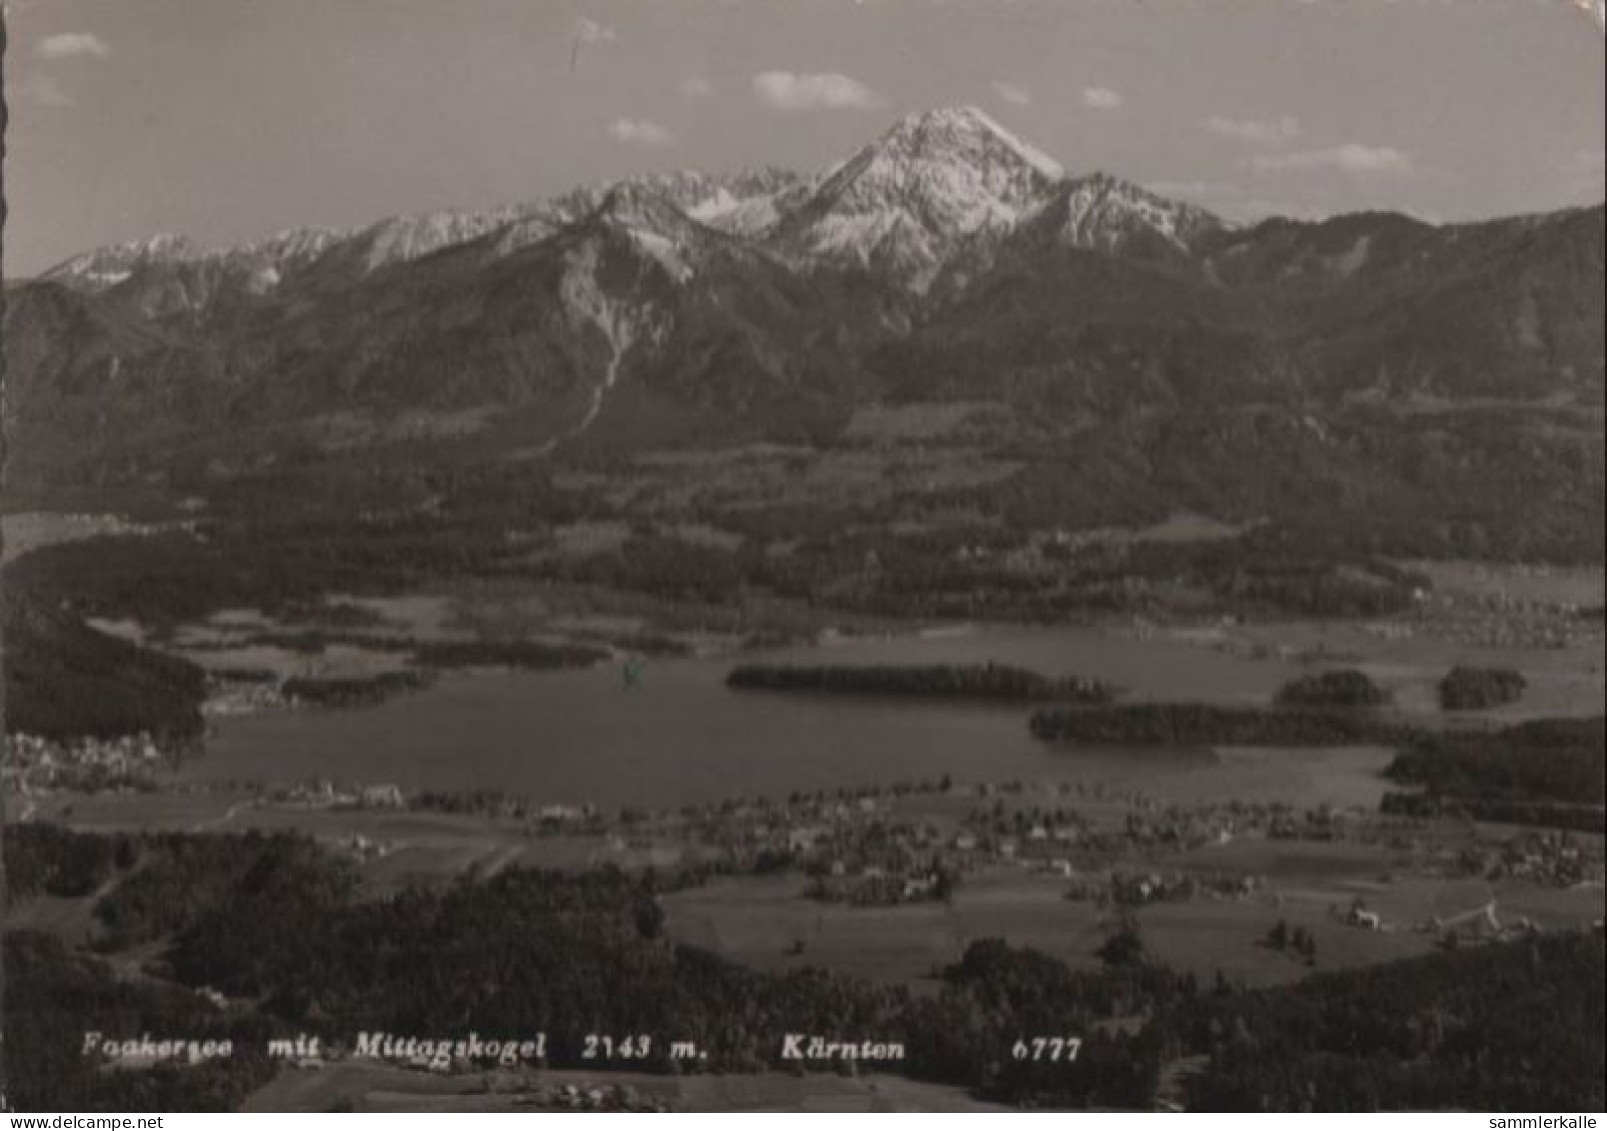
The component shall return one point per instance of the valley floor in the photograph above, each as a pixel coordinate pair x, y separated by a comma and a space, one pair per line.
876, 841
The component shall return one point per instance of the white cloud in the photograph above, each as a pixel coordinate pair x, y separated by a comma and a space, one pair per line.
696, 87
590, 32
1013, 93
72, 45
1349, 158
1270, 131
639, 131
1101, 98
784, 90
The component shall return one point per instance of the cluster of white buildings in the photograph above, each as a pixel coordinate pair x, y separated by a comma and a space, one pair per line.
34, 764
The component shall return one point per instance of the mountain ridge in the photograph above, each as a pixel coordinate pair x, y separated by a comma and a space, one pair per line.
914, 177
1111, 209
941, 263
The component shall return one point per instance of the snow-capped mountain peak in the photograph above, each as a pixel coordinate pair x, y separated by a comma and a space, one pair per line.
967, 128
956, 169
909, 200
113, 264
186, 274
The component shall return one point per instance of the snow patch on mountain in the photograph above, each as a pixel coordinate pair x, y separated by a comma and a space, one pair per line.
259, 266
1106, 213
403, 239
108, 266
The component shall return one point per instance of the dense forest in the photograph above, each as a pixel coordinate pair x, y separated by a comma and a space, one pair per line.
1201, 724
351, 691
937, 681
1346, 688
65, 681
1544, 772
1512, 1026
54, 996
43, 859
1479, 689
279, 562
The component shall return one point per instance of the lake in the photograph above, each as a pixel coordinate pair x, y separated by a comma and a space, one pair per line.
683, 736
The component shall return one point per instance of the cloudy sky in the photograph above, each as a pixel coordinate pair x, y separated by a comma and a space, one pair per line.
231, 119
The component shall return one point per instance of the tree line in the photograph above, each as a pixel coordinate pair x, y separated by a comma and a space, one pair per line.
937, 681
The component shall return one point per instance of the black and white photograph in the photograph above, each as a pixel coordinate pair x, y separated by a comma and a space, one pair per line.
803, 556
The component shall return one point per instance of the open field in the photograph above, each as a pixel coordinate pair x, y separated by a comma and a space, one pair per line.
762, 922
1580, 586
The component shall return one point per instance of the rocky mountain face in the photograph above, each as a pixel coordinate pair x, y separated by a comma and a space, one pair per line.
1133, 348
